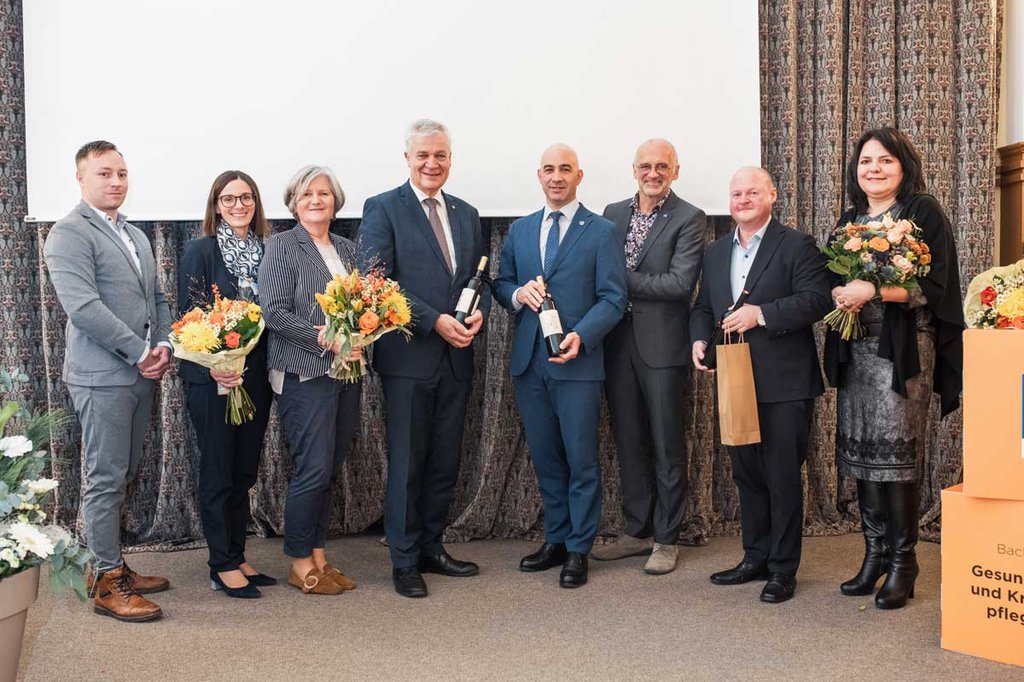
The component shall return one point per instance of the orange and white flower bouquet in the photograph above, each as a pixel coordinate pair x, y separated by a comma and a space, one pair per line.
886, 252
995, 298
358, 310
219, 337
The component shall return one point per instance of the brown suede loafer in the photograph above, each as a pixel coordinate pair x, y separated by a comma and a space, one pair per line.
343, 581
315, 582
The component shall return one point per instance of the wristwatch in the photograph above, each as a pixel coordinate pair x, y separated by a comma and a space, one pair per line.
760, 319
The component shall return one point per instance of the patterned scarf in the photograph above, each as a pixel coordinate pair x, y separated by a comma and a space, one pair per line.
241, 256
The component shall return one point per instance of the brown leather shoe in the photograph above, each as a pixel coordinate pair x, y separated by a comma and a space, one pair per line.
142, 584
115, 597
344, 582
315, 582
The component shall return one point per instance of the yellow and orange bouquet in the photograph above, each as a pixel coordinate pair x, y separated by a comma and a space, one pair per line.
995, 298
358, 310
886, 252
219, 337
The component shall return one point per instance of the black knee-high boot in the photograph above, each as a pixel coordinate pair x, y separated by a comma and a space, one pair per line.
901, 517
876, 556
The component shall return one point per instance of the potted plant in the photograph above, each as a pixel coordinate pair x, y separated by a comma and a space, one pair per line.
27, 539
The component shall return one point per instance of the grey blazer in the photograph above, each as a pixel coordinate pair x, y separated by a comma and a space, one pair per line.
109, 304
664, 279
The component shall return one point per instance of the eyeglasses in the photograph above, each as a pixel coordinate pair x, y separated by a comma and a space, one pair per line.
646, 168
228, 200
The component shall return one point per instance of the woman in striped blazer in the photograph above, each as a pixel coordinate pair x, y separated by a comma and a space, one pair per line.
319, 414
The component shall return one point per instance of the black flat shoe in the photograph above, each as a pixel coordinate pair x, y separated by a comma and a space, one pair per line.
248, 591
780, 588
445, 564
408, 582
574, 572
260, 580
744, 572
548, 556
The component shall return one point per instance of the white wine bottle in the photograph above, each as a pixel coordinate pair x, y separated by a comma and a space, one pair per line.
550, 322
470, 297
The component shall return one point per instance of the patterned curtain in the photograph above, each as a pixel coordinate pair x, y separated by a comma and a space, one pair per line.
829, 70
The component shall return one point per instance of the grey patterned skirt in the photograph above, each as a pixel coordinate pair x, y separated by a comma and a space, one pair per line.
879, 433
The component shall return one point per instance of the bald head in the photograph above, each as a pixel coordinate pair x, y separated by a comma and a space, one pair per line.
751, 198
559, 152
655, 167
559, 175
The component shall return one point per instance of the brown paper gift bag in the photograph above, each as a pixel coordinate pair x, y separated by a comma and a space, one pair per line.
737, 399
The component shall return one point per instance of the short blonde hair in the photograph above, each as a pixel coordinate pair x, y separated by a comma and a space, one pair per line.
300, 183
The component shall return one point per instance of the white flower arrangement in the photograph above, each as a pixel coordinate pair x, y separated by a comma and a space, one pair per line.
26, 540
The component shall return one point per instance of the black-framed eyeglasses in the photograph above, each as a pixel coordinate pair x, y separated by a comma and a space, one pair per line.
228, 200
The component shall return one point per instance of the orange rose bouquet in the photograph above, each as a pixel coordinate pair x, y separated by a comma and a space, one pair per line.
219, 337
358, 310
995, 298
886, 252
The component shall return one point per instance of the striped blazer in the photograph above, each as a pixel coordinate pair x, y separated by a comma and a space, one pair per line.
291, 272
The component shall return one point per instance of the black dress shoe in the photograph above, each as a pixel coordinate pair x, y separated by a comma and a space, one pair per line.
548, 556
247, 591
260, 580
780, 588
445, 564
409, 582
744, 572
574, 572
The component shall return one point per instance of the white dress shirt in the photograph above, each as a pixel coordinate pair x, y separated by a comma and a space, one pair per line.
442, 212
564, 223
743, 258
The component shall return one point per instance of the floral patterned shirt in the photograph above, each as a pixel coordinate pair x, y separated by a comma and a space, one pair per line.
639, 227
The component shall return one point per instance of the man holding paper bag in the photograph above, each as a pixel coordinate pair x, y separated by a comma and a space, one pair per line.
781, 275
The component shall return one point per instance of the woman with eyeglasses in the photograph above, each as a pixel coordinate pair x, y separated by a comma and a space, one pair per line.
227, 257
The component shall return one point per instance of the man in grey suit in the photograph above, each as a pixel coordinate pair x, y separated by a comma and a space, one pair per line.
647, 362
104, 273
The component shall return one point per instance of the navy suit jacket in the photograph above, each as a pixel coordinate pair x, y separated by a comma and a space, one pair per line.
789, 281
587, 283
396, 236
201, 267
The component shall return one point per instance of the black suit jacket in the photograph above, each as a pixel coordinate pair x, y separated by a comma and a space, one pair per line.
788, 280
661, 286
201, 267
396, 236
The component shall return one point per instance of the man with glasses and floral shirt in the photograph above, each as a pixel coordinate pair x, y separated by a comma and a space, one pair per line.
647, 357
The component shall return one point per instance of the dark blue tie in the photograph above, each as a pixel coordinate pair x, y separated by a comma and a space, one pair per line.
551, 245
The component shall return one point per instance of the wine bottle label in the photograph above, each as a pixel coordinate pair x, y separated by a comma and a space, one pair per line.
549, 322
467, 302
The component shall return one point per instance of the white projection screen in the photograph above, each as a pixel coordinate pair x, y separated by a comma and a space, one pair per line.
189, 88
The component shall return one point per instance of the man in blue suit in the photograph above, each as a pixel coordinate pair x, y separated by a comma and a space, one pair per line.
430, 242
581, 257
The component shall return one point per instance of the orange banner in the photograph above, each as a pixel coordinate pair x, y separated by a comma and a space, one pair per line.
994, 413
983, 576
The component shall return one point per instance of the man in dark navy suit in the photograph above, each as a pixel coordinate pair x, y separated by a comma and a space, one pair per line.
784, 273
431, 243
581, 257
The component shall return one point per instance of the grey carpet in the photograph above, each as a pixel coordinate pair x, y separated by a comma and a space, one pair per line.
507, 625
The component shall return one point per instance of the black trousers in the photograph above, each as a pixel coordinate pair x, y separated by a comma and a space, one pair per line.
229, 460
648, 414
425, 420
771, 492
320, 417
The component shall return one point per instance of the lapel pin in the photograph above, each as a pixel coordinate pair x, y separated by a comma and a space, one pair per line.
581, 222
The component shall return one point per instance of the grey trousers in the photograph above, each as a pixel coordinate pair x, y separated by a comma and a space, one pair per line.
114, 423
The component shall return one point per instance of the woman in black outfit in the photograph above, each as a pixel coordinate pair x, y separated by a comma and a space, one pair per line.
227, 256
913, 347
